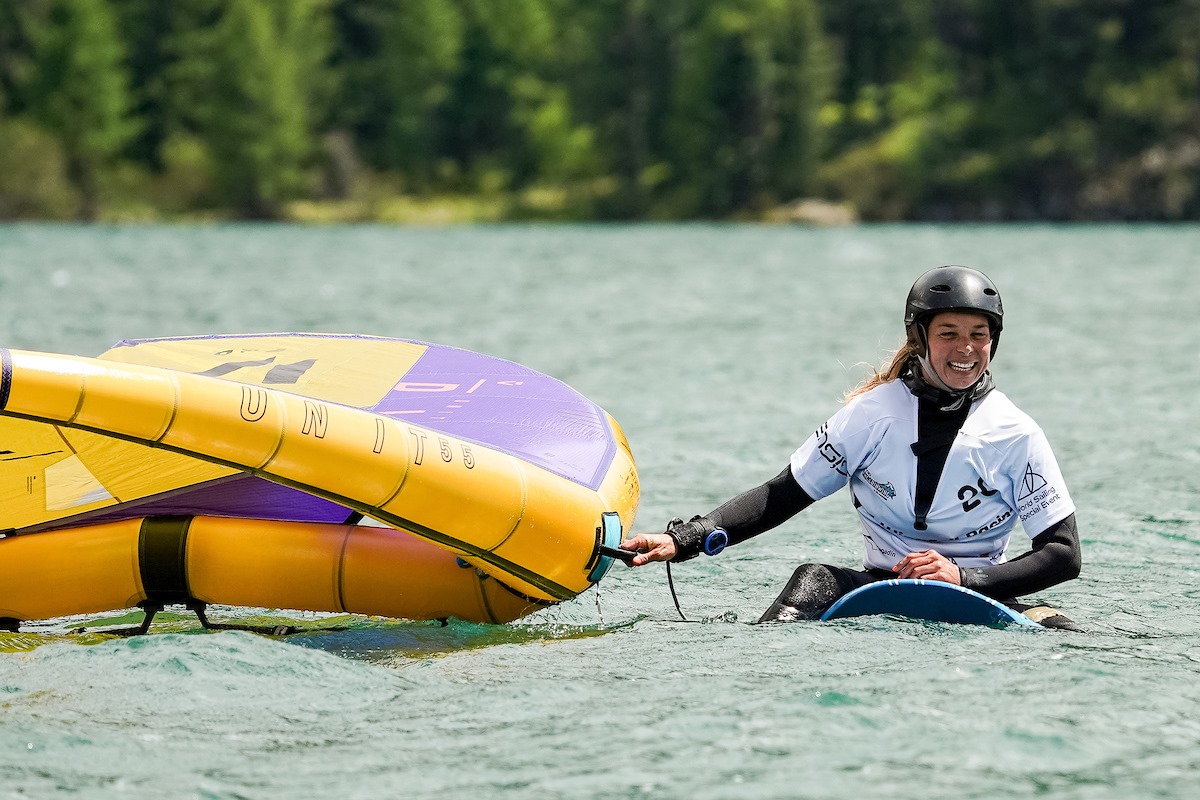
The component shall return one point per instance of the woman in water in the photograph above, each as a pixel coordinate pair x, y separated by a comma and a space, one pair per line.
940, 466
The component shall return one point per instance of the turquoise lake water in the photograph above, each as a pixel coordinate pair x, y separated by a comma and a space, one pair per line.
718, 349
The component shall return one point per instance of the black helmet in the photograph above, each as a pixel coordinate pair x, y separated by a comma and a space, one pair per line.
954, 288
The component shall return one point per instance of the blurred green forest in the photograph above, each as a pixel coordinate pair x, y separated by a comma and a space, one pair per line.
461, 110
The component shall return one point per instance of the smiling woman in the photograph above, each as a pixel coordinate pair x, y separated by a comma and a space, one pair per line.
958, 348
939, 464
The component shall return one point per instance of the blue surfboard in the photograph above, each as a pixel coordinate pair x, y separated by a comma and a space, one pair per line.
929, 600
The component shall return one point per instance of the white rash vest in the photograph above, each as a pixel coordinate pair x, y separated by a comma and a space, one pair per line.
1000, 468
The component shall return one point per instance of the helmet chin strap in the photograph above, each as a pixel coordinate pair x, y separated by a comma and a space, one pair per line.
928, 373
931, 376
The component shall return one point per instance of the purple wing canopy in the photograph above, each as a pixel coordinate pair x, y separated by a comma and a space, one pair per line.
477, 398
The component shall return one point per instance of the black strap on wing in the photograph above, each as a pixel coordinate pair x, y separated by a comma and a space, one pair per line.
162, 560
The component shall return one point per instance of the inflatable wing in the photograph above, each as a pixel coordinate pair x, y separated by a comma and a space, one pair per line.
491, 464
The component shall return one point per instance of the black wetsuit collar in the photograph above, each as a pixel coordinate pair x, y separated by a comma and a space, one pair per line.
945, 400
940, 415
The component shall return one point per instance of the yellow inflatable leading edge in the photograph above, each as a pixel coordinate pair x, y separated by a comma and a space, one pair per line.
226, 469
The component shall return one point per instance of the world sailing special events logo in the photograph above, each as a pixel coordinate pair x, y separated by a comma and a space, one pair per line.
1036, 495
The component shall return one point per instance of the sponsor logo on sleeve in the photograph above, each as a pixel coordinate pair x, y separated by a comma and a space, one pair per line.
1032, 482
1036, 494
837, 461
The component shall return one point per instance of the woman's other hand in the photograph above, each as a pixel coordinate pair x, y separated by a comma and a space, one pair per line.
930, 565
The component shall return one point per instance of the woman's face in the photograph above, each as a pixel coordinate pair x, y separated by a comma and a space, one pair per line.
960, 345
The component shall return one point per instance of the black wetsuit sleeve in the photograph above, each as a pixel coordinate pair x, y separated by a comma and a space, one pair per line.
749, 514
1055, 558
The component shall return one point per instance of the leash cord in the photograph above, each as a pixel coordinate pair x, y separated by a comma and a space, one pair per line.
675, 597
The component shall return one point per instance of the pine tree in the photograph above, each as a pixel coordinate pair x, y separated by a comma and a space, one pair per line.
266, 97
746, 91
80, 91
